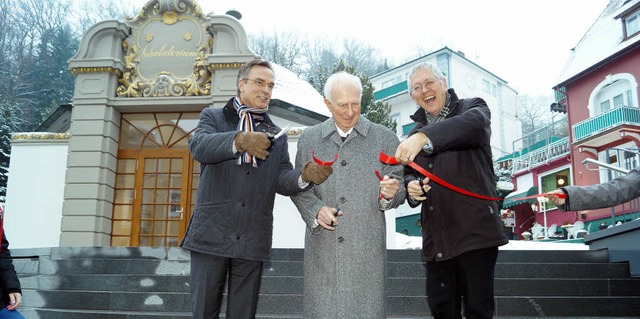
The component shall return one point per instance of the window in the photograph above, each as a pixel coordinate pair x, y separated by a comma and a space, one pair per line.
632, 24
493, 90
604, 106
618, 101
554, 181
486, 86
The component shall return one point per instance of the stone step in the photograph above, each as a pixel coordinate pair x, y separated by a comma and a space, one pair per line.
144, 283
294, 285
296, 268
291, 305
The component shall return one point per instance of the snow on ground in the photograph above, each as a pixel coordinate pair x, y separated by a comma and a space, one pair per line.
543, 245
415, 242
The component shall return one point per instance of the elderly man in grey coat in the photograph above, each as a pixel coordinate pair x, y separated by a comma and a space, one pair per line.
345, 242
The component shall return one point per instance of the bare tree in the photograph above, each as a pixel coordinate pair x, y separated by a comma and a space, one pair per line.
364, 57
538, 122
91, 12
282, 48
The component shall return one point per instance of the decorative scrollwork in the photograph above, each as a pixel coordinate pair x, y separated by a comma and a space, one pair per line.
155, 56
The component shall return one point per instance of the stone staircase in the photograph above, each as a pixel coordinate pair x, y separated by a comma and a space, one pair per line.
143, 283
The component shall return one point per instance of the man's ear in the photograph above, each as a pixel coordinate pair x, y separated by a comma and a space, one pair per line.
328, 104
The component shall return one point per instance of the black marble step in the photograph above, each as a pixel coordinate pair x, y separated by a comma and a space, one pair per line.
119, 282
396, 286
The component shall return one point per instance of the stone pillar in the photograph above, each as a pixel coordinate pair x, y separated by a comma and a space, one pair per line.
93, 145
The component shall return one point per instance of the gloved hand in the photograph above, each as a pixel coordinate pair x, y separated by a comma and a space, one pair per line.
315, 173
254, 143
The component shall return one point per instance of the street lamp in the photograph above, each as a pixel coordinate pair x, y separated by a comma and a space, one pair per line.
543, 207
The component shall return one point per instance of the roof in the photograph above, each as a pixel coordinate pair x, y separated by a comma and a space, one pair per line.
603, 40
514, 198
293, 90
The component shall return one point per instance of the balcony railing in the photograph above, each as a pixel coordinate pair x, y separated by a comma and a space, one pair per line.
597, 124
528, 159
389, 91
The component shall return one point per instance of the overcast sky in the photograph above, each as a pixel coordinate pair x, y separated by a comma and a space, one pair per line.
526, 43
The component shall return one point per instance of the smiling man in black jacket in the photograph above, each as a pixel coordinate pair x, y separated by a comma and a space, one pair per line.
460, 233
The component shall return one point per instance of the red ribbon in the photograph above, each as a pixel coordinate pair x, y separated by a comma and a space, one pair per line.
394, 161
323, 163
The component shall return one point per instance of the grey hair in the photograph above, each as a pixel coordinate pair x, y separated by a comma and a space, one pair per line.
424, 66
244, 70
340, 77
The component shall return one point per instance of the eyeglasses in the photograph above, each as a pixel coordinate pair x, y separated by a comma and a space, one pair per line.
419, 87
261, 83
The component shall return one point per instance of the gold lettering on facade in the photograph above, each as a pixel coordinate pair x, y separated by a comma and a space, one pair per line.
166, 51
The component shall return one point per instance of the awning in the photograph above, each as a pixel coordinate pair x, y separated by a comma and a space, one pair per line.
511, 199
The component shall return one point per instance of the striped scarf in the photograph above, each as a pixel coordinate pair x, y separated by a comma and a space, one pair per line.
248, 124
442, 114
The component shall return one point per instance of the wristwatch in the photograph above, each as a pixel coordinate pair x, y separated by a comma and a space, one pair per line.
428, 148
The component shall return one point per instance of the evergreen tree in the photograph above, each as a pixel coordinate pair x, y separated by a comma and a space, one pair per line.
5, 148
374, 111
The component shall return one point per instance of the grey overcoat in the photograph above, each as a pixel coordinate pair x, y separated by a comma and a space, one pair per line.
344, 269
617, 191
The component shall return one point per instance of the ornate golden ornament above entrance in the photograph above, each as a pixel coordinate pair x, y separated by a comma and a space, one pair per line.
166, 52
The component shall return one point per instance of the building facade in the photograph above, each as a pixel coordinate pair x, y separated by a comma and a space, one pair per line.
113, 168
598, 89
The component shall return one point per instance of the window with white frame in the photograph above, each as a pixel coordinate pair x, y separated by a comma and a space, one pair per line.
632, 23
486, 86
614, 95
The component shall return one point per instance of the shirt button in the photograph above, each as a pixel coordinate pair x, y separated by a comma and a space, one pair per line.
439, 255
242, 204
248, 172
430, 207
340, 239
344, 163
238, 237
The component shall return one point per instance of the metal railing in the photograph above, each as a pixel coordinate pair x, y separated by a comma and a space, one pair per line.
599, 123
541, 155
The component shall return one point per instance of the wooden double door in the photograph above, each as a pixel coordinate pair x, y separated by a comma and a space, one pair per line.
156, 180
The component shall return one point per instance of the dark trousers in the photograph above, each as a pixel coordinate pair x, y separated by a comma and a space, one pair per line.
467, 279
208, 276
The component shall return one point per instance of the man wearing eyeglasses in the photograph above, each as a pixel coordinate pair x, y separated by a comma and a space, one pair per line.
460, 233
242, 166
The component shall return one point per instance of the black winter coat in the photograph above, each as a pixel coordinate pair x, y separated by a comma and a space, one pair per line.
8, 276
233, 215
453, 223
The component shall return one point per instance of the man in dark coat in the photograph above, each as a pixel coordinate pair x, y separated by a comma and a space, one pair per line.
11, 294
461, 233
230, 231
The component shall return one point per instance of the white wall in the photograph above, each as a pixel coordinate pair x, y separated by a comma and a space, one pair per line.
35, 192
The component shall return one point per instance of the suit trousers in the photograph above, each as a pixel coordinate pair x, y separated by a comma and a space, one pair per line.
465, 279
207, 282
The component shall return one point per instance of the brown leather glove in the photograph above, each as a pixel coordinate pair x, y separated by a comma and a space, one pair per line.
254, 143
315, 173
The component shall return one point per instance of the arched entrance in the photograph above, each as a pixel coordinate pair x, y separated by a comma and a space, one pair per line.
156, 179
